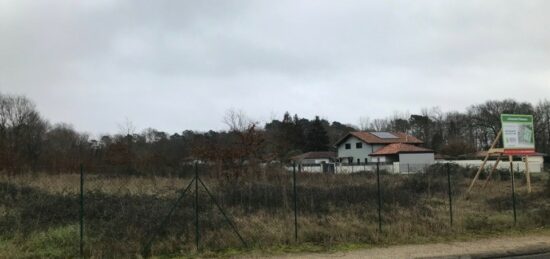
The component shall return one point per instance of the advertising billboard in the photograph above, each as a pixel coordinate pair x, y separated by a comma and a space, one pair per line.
518, 131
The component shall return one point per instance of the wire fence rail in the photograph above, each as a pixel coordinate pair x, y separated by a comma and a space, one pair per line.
201, 210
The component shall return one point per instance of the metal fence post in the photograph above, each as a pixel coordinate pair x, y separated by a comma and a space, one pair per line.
513, 190
450, 194
197, 235
295, 203
81, 211
379, 196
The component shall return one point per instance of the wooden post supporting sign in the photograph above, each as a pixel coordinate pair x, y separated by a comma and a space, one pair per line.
527, 173
485, 160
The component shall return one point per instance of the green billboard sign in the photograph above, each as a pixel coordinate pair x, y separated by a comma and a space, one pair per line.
517, 131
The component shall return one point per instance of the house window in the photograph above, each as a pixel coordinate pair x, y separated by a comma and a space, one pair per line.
348, 146
358, 145
366, 161
358, 161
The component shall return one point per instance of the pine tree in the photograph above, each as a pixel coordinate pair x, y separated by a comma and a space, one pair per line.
317, 137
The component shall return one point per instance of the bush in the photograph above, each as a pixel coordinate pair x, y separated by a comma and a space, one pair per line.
503, 174
482, 175
541, 214
123, 212
479, 223
547, 188
53, 243
434, 181
505, 203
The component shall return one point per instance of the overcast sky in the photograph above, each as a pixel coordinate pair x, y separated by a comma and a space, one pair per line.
175, 65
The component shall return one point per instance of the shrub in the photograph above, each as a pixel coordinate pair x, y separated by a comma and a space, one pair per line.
503, 174
122, 213
541, 214
434, 181
479, 223
53, 243
504, 203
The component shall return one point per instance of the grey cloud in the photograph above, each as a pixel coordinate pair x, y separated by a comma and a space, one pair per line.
175, 65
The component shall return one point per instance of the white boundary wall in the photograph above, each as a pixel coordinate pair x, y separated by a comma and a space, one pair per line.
519, 166
348, 169
396, 167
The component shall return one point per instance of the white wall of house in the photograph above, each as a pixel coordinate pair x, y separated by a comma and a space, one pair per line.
416, 158
414, 162
357, 153
381, 159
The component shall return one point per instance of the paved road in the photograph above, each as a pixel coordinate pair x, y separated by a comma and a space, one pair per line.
535, 256
505, 247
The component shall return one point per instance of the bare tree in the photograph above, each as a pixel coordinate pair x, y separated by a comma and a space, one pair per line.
542, 125
245, 142
364, 123
379, 125
237, 120
124, 150
127, 128
21, 131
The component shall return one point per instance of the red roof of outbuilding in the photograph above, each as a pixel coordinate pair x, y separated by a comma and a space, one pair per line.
315, 155
370, 138
396, 148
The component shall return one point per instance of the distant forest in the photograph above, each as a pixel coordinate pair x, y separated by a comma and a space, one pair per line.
28, 142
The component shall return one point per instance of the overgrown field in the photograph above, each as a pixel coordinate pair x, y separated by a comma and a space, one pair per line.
39, 213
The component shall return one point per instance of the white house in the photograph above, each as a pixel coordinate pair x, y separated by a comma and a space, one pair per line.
315, 158
387, 147
316, 162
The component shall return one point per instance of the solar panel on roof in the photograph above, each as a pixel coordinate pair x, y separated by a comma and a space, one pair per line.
383, 134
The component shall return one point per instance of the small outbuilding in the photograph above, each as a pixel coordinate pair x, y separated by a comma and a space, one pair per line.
405, 154
315, 158
316, 162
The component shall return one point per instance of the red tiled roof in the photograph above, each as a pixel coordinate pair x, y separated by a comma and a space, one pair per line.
396, 148
370, 138
313, 155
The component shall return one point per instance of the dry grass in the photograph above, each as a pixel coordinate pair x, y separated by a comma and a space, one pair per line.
122, 213
70, 183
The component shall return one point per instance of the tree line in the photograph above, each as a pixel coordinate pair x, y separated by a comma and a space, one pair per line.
28, 142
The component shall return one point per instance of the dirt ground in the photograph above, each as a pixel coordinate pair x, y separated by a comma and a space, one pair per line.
488, 247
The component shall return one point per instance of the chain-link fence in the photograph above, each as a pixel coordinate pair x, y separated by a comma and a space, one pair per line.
100, 212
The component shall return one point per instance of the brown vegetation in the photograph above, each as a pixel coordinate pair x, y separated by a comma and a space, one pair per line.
123, 212
29, 143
